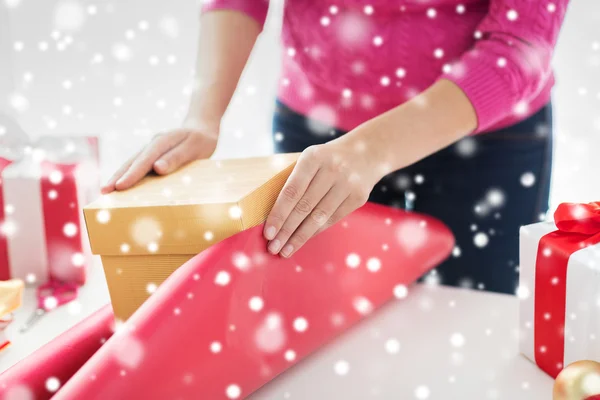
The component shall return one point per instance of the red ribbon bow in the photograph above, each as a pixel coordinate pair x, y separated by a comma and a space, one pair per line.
578, 227
578, 218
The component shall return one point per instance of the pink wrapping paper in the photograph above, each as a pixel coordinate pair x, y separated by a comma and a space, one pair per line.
234, 317
59, 359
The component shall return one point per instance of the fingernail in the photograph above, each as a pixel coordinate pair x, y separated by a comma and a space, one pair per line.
270, 233
287, 250
161, 165
274, 246
119, 182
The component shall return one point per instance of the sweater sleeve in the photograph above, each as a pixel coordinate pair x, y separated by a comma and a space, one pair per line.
510, 62
256, 9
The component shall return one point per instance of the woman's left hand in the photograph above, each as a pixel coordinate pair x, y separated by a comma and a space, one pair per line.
328, 182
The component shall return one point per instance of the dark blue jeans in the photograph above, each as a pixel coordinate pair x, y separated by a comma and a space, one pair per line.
483, 187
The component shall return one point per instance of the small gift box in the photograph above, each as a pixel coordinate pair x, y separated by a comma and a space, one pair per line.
11, 293
560, 288
41, 195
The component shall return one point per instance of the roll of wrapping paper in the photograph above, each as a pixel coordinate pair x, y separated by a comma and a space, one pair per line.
57, 360
234, 317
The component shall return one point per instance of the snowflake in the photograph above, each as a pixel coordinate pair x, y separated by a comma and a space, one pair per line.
50, 303
341, 367
241, 261
495, 197
377, 40
222, 278
392, 346
128, 350
466, 147
325, 21
411, 234
438, 53
74, 307
19, 102
30, 278
233, 391
522, 292
151, 287
69, 16
362, 305
18, 392
400, 72
152, 247
78, 259
528, 179
385, 81
521, 108
103, 216
12, 3
121, 52
369, 9
460, 9
373, 264
320, 119
422, 392
300, 324
52, 384
512, 15
143, 25
290, 355
70, 229
353, 260
333, 10
97, 58
169, 26
400, 291
431, 13
216, 347
270, 337
256, 303
481, 239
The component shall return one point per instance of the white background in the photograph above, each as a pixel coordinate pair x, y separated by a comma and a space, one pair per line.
121, 70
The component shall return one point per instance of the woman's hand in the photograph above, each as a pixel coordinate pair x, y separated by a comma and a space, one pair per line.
328, 182
166, 153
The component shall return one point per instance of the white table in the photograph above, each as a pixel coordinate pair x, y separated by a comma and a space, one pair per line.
454, 344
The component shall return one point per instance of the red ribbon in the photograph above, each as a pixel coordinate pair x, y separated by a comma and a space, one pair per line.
4, 267
578, 227
62, 223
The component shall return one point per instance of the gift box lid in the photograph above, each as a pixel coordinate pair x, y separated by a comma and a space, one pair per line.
188, 210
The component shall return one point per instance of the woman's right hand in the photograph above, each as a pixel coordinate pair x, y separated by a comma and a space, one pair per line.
166, 153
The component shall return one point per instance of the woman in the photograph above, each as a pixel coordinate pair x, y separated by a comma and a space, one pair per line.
374, 94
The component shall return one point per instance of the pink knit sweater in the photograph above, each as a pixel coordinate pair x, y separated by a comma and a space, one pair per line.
347, 61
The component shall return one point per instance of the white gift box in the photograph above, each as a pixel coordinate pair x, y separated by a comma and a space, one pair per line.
41, 228
558, 329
